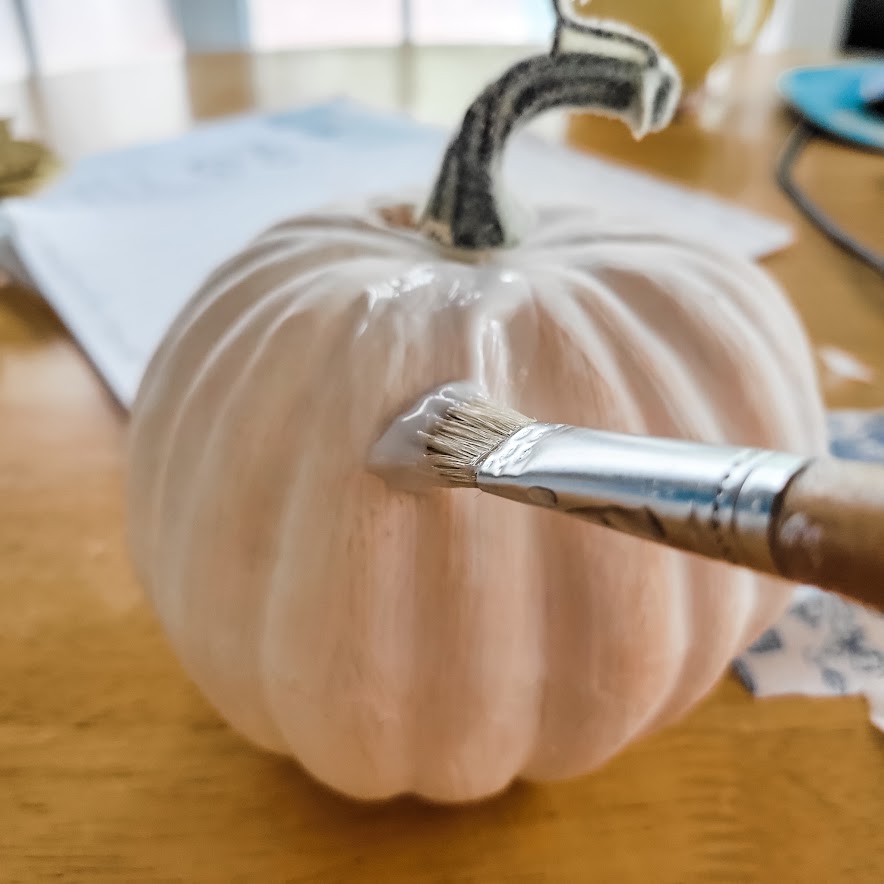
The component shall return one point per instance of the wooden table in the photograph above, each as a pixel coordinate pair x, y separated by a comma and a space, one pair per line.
113, 767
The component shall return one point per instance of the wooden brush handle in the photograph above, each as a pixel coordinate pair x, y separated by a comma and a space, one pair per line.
829, 531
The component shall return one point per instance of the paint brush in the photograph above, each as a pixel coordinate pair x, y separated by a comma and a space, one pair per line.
818, 521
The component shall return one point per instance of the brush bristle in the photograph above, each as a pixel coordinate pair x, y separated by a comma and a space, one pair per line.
467, 434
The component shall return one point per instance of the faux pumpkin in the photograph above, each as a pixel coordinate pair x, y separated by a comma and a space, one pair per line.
447, 643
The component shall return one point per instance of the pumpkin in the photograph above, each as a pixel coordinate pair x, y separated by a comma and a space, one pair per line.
447, 643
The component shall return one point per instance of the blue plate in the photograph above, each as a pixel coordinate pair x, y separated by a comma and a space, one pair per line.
836, 99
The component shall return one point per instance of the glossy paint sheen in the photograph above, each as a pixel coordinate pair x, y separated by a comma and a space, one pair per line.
446, 643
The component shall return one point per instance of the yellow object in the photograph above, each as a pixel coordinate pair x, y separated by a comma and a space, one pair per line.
695, 34
24, 165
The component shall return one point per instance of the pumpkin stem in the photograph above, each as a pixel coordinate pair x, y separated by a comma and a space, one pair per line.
594, 65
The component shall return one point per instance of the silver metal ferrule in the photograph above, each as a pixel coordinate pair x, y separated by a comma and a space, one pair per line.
716, 501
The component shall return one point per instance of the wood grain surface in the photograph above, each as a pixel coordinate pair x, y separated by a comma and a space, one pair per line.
112, 767
829, 530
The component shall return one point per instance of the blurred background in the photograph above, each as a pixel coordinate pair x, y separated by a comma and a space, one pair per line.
55, 55
52, 36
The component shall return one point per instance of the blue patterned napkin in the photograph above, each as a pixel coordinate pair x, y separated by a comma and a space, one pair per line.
824, 646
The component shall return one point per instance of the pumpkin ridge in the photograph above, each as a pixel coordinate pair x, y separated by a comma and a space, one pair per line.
218, 432
176, 357
612, 322
258, 311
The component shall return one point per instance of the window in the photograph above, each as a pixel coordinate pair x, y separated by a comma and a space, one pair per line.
282, 24
13, 57
69, 35
481, 21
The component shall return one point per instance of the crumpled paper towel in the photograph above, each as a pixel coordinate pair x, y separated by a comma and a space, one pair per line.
824, 646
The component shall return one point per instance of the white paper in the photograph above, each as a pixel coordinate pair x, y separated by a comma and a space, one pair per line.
123, 240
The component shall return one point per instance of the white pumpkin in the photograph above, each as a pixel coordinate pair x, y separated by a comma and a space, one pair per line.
447, 643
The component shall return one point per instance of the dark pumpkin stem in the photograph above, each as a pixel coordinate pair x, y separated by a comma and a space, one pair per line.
594, 65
